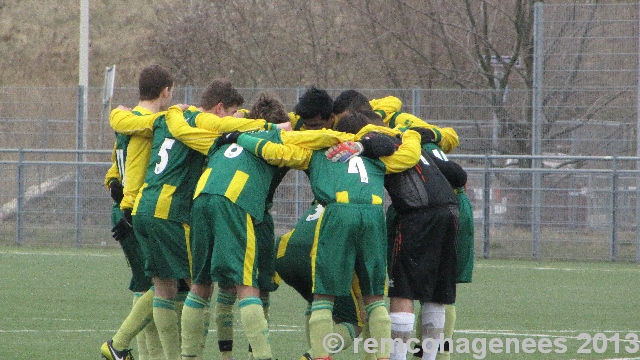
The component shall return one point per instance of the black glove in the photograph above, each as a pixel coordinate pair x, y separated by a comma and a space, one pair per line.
376, 145
427, 135
124, 227
228, 138
116, 191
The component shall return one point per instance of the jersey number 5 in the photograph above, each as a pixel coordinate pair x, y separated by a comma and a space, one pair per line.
164, 155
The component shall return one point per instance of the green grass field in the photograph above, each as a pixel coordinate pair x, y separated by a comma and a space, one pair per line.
63, 303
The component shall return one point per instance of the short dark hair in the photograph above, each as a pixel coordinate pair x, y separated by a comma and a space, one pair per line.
153, 79
220, 91
351, 100
314, 102
352, 123
269, 107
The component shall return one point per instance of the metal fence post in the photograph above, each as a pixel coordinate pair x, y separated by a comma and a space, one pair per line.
613, 249
415, 106
486, 209
19, 197
536, 128
188, 94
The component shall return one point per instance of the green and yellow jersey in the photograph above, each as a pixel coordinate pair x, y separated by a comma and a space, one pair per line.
138, 152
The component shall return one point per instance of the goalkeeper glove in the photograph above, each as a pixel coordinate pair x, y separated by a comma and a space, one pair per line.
124, 227
116, 190
227, 138
426, 135
376, 145
344, 151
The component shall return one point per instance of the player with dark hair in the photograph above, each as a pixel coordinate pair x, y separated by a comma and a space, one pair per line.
314, 110
155, 85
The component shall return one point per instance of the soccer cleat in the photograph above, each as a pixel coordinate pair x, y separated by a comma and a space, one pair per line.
109, 353
306, 356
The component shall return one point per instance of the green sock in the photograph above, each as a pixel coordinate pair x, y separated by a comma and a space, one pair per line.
166, 319
224, 323
193, 325
449, 325
320, 324
379, 325
140, 315
255, 326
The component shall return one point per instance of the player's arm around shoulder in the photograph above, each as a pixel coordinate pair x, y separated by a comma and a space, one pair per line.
195, 138
289, 155
211, 122
407, 155
386, 107
123, 121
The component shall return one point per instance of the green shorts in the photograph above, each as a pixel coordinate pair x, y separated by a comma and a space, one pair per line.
133, 253
350, 237
293, 266
266, 254
224, 242
165, 246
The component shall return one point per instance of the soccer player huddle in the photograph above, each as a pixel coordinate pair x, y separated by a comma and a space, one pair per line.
193, 187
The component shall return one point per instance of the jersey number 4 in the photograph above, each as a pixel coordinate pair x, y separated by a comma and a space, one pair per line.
356, 166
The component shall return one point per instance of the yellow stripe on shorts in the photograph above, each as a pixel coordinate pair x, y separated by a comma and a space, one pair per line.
249, 254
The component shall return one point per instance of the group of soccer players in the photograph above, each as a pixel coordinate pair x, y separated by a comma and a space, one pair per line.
192, 190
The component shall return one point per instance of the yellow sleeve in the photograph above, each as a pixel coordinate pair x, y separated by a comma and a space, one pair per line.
315, 139
127, 123
138, 155
446, 138
215, 123
407, 155
289, 155
296, 124
113, 172
386, 107
195, 138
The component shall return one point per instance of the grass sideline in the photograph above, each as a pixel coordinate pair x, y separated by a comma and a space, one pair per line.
63, 303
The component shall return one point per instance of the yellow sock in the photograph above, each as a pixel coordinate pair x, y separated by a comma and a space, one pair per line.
346, 331
154, 346
179, 301
193, 331
320, 324
140, 315
379, 325
224, 323
206, 314
255, 326
307, 317
143, 352
449, 326
166, 319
